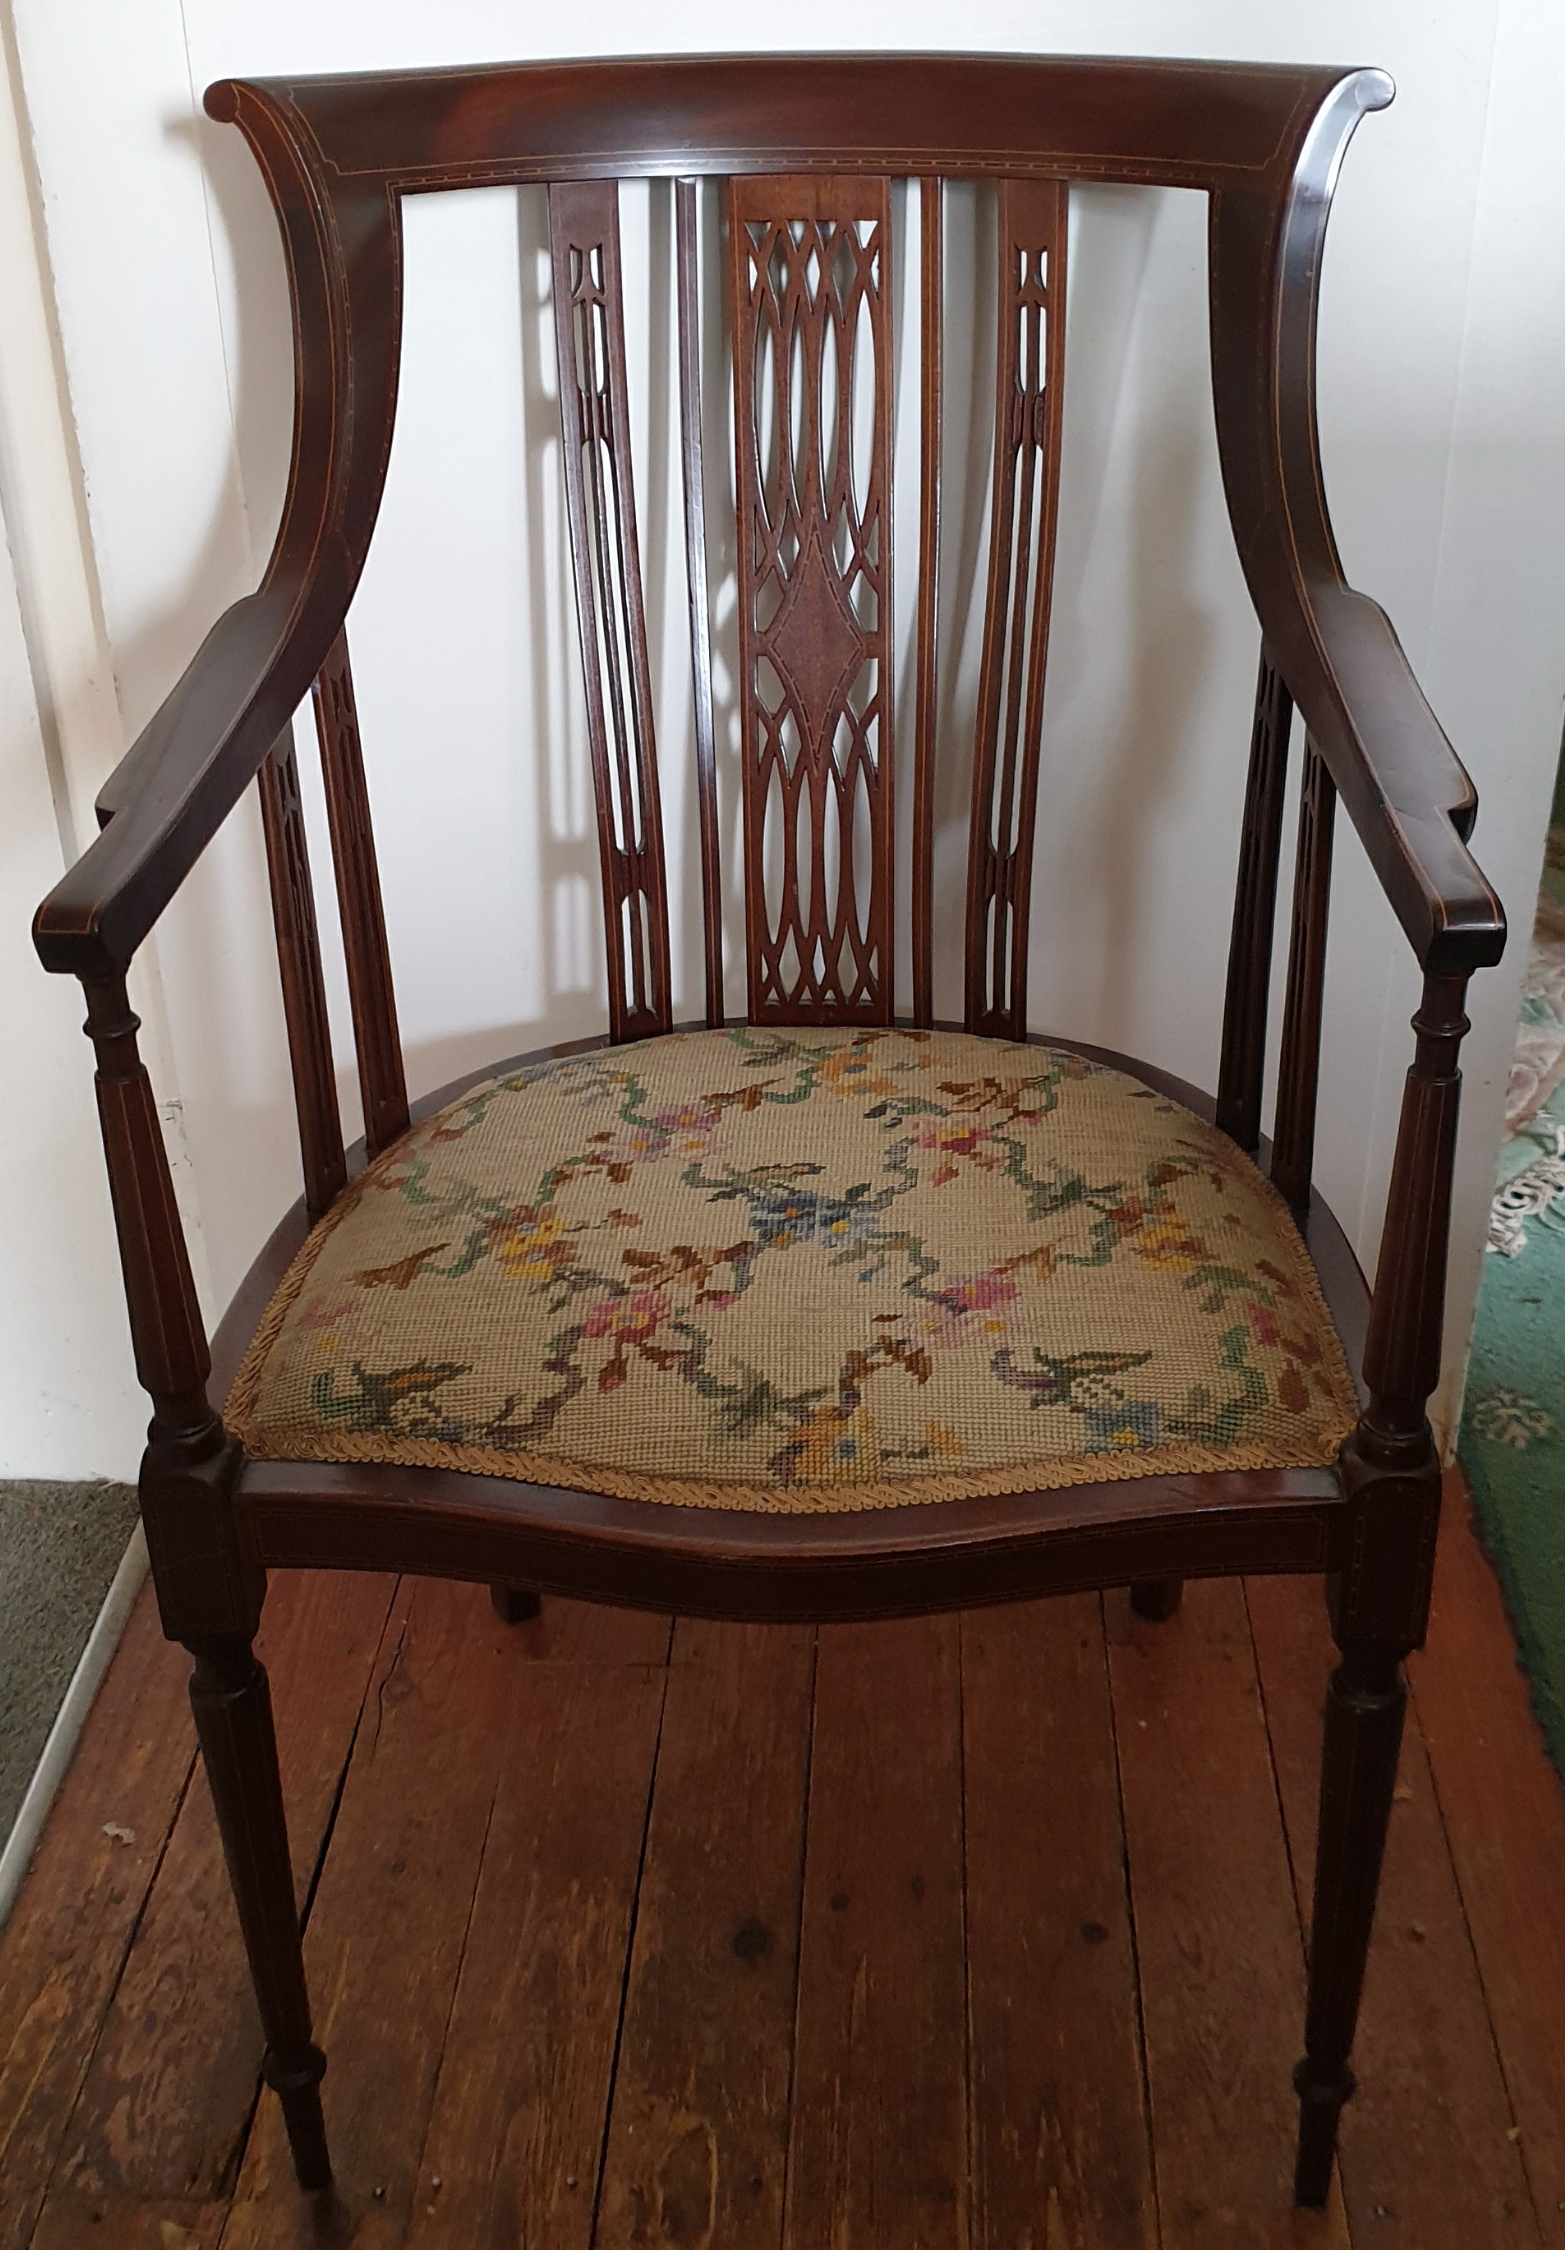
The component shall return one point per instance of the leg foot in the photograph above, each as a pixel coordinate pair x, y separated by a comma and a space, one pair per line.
1364, 1711
514, 1605
233, 1709
1157, 1598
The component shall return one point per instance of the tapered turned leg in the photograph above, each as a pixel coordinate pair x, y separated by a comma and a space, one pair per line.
233, 1708
1364, 1711
1157, 1598
513, 1605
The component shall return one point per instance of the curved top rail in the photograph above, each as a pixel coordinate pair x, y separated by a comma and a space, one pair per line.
1189, 124
338, 153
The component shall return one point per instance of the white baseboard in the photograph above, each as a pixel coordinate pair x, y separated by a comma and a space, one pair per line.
102, 1641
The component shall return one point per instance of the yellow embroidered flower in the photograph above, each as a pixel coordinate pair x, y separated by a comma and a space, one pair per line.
532, 1253
847, 1072
1168, 1242
837, 1448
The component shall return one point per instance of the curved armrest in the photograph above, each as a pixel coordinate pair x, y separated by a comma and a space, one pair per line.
173, 790
169, 795
1407, 792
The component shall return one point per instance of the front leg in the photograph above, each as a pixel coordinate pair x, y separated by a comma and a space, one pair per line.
233, 1709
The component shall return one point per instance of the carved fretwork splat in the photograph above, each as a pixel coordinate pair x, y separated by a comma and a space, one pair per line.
1030, 363
600, 494
812, 377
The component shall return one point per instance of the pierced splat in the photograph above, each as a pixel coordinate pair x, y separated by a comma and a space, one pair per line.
606, 562
812, 379
1030, 364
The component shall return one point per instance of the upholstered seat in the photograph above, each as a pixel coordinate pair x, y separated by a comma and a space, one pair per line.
804, 1269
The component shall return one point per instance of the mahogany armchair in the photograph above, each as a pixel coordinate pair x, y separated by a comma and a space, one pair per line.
834, 1312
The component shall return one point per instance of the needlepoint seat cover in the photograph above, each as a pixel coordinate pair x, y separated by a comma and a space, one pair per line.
798, 1270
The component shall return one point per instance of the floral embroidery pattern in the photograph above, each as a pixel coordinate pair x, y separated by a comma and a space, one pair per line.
800, 1269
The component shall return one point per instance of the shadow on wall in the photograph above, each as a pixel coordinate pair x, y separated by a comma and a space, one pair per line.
467, 662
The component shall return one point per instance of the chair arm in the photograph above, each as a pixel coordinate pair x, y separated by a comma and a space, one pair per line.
174, 788
1404, 787
1408, 794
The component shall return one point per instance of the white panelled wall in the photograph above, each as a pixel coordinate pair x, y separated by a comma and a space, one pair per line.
166, 385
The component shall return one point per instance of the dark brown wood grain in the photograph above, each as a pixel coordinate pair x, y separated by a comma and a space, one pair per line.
63, 1948
167, 2103
1029, 404
810, 259
382, 1084
1298, 1069
1243, 1064
1218, 1944
878, 2150
304, 986
589, 327
1427, 2139
692, 455
523, 2093
931, 309
1422, 2143
1502, 1809
698, 2138
1061, 2142
382, 1957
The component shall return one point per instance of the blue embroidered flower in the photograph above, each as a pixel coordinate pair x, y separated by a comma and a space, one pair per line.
1128, 1426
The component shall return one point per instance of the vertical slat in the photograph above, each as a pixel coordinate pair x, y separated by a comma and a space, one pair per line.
304, 989
812, 291
1293, 1145
382, 1087
1243, 1064
695, 576
932, 305
589, 332
1029, 396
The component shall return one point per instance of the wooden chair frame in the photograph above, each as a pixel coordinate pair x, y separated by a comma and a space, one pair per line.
338, 155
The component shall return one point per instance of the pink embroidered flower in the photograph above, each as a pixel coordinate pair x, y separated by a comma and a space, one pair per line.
630, 1319
324, 1313
984, 1293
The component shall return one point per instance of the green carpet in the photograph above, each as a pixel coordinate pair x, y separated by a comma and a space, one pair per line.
1512, 1443
60, 1545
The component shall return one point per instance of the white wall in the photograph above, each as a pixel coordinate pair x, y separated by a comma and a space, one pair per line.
1444, 436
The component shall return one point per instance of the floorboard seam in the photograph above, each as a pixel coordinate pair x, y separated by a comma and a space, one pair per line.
1294, 1885
126, 1949
330, 1828
1130, 1917
969, 2122
234, 2172
630, 1950
798, 1942
1478, 1967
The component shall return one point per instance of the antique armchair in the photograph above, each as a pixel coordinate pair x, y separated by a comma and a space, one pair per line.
834, 1312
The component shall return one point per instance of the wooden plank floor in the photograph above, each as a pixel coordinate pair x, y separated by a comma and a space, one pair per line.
952, 1934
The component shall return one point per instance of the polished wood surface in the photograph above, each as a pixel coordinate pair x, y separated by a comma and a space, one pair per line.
698, 593
509, 1841
589, 321
811, 292
1241, 1073
804, 151
1029, 404
303, 981
375, 1035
